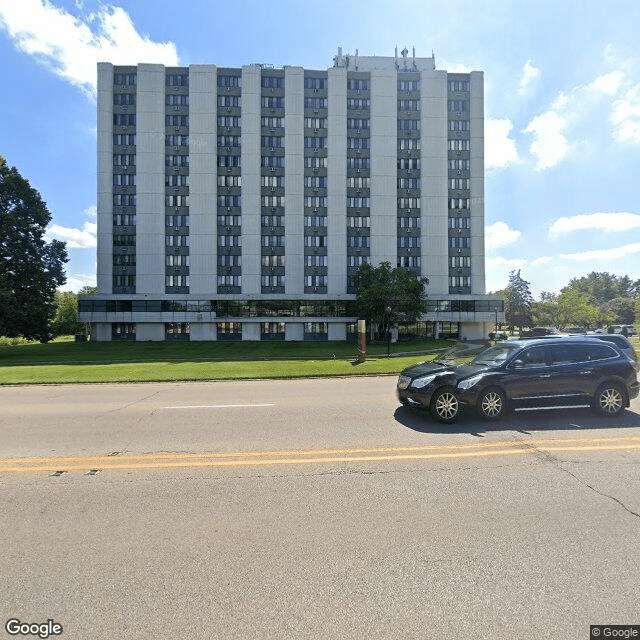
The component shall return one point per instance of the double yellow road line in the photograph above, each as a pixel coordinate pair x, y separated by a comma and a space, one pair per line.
147, 461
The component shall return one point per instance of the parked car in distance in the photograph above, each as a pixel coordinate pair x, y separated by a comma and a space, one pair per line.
624, 329
498, 335
575, 331
540, 332
620, 341
548, 373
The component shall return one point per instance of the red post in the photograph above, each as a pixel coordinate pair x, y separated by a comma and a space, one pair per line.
362, 340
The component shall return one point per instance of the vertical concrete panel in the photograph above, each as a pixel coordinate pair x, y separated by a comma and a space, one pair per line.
478, 285
105, 179
434, 168
384, 91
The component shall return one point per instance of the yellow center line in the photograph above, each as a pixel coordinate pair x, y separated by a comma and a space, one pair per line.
322, 456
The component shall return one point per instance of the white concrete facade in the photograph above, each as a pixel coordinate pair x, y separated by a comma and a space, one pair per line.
198, 158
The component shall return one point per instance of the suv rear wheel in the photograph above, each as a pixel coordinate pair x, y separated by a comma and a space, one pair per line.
609, 400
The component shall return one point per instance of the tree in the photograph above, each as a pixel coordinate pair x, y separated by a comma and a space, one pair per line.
545, 312
601, 287
386, 296
30, 268
65, 321
574, 309
518, 301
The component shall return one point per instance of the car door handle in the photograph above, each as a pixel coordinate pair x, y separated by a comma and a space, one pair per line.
586, 373
546, 375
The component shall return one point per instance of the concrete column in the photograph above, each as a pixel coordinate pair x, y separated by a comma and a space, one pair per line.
434, 172
384, 135
105, 179
477, 183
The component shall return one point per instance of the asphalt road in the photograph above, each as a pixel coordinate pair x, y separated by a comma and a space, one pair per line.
311, 508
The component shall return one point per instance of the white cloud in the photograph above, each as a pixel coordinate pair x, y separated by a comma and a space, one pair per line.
615, 253
499, 234
499, 149
607, 84
625, 115
550, 145
85, 238
601, 221
71, 47
529, 74
77, 281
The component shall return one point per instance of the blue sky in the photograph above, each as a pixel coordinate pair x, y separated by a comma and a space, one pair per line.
562, 105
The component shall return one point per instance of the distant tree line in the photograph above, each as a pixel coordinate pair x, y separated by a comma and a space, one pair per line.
592, 301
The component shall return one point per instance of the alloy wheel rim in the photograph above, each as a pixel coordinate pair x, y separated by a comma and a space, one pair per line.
611, 400
492, 404
447, 405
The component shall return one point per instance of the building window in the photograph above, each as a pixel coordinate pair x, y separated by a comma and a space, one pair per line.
459, 223
272, 122
315, 83
176, 281
408, 105
177, 331
229, 161
124, 200
229, 80
358, 202
273, 241
124, 140
316, 330
358, 103
124, 219
275, 162
177, 80
272, 102
459, 85
228, 101
406, 144
359, 222
408, 85
409, 242
177, 100
459, 125
229, 241
124, 119
409, 164
409, 262
120, 99
229, 330
273, 281
457, 106
123, 331
459, 145
177, 121
124, 79
315, 103
459, 243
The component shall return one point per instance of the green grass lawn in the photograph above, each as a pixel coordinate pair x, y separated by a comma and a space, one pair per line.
66, 361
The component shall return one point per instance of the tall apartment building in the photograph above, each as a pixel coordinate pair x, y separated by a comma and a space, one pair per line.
238, 203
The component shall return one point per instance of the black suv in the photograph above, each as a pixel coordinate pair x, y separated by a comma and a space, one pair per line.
524, 374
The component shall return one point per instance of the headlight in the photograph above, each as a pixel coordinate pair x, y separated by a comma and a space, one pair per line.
469, 382
420, 383
404, 382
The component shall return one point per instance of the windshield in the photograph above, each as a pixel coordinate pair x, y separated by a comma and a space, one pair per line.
495, 355
461, 353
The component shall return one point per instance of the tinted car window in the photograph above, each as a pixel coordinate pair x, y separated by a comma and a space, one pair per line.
600, 352
534, 356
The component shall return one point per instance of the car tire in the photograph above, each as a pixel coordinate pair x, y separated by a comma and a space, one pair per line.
609, 400
445, 406
492, 404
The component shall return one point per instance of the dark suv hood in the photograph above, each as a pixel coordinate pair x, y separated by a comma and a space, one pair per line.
429, 368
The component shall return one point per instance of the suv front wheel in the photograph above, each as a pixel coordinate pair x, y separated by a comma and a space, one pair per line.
444, 405
609, 400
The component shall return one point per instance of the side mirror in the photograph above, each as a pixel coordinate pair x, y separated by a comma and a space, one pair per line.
517, 364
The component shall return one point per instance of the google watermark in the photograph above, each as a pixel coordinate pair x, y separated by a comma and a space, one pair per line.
615, 631
40, 629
